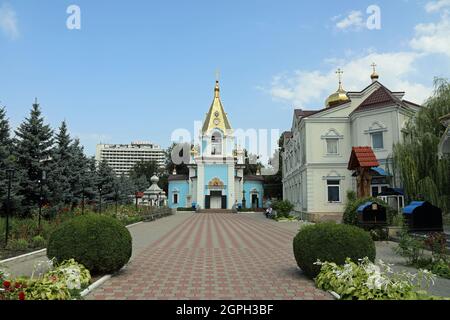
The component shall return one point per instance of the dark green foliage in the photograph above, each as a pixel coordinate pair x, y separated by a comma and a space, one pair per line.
61, 168
283, 208
102, 244
423, 174
185, 209
145, 169
331, 242
170, 165
106, 180
6, 162
350, 215
32, 148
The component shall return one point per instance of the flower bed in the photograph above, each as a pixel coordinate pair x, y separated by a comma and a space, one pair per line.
25, 235
65, 281
413, 249
367, 281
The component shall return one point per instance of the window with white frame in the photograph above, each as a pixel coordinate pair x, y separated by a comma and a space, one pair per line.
377, 140
332, 145
331, 139
334, 190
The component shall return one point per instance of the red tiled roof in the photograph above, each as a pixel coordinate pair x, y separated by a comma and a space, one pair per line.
379, 97
362, 157
306, 113
299, 113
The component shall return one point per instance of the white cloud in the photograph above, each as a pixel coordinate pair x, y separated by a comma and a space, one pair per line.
354, 21
310, 88
303, 88
433, 37
8, 21
435, 6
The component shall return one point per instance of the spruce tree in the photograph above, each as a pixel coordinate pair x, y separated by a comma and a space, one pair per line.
5, 157
60, 174
106, 181
80, 178
33, 150
7, 162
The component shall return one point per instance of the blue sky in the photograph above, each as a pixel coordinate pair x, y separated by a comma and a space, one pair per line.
137, 70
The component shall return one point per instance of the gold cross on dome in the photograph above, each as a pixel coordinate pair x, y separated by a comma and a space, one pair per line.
217, 75
340, 72
373, 65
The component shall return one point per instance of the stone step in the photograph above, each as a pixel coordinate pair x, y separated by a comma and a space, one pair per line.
216, 211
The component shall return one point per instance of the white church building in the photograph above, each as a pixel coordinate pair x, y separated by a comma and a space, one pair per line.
317, 149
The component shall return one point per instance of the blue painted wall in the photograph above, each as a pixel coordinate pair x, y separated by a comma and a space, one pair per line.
217, 171
183, 188
248, 187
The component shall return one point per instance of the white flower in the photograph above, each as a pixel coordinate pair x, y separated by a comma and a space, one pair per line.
377, 281
372, 269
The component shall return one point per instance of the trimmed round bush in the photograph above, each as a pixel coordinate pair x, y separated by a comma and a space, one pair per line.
102, 244
331, 242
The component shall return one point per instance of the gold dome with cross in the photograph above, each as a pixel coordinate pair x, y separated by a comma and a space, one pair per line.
340, 96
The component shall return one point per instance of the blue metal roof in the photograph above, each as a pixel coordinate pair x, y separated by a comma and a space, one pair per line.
412, 206
365, 205
380, 171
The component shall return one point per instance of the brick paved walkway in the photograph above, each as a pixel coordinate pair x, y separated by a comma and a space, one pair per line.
215, 256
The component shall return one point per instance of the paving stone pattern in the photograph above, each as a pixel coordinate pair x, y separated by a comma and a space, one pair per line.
215, 256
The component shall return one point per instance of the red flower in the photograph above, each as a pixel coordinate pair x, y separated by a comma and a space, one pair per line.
21, 295
18, 285
6, 284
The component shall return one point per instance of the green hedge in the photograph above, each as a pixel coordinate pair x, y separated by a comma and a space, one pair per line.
331, 242
102, 244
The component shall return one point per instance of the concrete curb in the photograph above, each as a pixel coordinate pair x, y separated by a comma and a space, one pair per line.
95, 285
23, 256
134, 224
99, 282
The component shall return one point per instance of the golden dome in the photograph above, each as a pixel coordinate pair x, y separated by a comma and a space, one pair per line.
374, 75
340, 96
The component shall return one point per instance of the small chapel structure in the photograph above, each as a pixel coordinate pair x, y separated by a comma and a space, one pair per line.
216, 178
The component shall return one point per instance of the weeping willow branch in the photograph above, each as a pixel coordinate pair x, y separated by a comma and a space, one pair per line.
422, 173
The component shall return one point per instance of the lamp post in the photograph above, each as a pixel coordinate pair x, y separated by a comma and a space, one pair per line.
136, 196
116, 197
82, 198
10, 175
100, 193
41, 197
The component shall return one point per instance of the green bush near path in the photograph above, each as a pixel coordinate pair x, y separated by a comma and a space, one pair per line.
331, 242
102, 244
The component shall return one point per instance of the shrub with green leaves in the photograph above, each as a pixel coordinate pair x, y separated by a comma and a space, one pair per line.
333, 243
102, 244
410, 248
367, 281
283, 208
38, 242
18, 245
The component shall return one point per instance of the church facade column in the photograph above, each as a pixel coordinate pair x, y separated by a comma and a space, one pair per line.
201, 185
